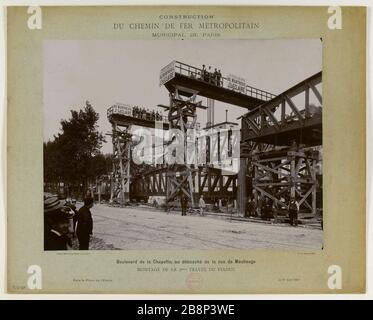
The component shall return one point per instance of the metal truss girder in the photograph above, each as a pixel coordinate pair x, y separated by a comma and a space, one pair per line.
262, 125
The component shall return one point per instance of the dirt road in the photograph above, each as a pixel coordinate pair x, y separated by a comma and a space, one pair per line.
142, 228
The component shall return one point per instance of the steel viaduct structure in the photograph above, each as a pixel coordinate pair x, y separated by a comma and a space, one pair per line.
280, 138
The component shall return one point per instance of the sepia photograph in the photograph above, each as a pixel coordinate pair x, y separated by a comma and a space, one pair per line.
173, 145
182, 149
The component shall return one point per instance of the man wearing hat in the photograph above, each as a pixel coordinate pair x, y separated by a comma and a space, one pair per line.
71, 203
57, 222
84, 224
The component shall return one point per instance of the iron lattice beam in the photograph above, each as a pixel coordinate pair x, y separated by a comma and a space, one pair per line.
280, 175
284, 119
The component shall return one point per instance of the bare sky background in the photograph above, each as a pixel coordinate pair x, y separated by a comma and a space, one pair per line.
104, 72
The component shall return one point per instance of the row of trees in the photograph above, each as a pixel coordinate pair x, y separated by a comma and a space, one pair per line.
73, 156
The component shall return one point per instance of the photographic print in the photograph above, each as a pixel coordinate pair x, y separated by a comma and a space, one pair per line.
186, 149
183, 144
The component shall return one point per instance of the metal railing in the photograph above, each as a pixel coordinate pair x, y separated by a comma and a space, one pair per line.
130, 111
135, 112
220, 81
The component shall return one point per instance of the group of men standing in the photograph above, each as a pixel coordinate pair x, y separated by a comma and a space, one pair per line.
211, 77
184, 205
146, 114
269, 209
62, 222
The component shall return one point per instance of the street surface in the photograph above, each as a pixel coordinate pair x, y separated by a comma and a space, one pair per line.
141, 228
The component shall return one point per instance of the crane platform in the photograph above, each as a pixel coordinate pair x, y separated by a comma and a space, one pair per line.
124, 115
190, 80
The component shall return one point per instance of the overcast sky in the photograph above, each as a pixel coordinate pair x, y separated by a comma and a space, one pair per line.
104, 72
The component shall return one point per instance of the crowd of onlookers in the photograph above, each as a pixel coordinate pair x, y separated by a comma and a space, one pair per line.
146, 114
209, 76
205, 75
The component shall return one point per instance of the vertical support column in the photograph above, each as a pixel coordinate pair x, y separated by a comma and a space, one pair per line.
210, 112
219, 148
180, 176
197, 180
241, 188
199, 174
220, 184
122, 181
292, 175
112, 182
121, 164
255, 191
314, 187
126, 191
191, 188
255, 195
262, 121
283, 111
209, 181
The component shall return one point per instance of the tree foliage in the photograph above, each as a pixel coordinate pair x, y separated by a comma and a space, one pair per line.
74, 156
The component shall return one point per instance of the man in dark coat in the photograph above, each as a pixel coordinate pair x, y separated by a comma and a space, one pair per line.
84, 224
55, 241
251, 208
293, 211
57, 224
184, 204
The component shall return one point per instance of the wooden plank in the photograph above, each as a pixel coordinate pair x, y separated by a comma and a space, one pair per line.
305, 196
269, 196
268, 168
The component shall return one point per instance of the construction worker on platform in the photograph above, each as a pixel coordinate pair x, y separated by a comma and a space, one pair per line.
202, 205
204, 73
135, 111
293, 211
215, 77
219, 78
